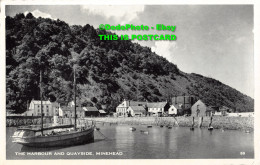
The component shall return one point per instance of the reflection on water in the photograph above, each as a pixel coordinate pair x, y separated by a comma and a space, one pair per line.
159, 143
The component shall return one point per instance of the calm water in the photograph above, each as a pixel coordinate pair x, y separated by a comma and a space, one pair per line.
160, 143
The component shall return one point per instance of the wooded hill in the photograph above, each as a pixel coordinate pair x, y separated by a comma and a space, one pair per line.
107, 71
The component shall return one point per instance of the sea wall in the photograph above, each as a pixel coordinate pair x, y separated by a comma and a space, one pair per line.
12, 121
218, 122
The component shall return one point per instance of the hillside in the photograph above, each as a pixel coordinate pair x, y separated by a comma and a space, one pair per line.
107, 71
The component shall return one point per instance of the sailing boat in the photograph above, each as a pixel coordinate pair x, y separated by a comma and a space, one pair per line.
54, 136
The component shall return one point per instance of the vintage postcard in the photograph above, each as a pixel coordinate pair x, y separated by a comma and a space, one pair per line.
128, 81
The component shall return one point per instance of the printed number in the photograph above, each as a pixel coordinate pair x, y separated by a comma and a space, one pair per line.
242, 153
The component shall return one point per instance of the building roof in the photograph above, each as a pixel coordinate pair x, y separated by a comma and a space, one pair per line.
71, 109
90, 109
101, 111
156, 105
127, 103
198, 102
175, 106
39, 102
137, 108
136, 103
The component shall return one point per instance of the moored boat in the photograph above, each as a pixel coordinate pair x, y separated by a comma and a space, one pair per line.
144, 132
57, 135
54, 137
132, 128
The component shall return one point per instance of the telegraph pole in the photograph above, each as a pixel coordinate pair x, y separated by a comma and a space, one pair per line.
41, 102
75, 125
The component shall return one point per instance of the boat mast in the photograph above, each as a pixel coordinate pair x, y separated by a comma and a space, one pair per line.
41, 101
75, 122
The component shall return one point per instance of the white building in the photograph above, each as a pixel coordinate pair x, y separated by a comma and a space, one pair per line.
157, 108
173, 110
48, 108
200, 109
136, 111
121, 109
70, 112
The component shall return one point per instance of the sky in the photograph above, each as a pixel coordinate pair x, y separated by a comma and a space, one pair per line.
216, 41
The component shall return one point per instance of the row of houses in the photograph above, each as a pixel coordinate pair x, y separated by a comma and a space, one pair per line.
136, 108
55, 109
181, 105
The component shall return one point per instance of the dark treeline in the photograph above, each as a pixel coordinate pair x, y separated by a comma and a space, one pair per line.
107, 71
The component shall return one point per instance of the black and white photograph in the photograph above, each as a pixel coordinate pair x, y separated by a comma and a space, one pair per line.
129, 81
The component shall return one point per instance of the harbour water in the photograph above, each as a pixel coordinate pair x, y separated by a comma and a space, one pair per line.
119, 142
